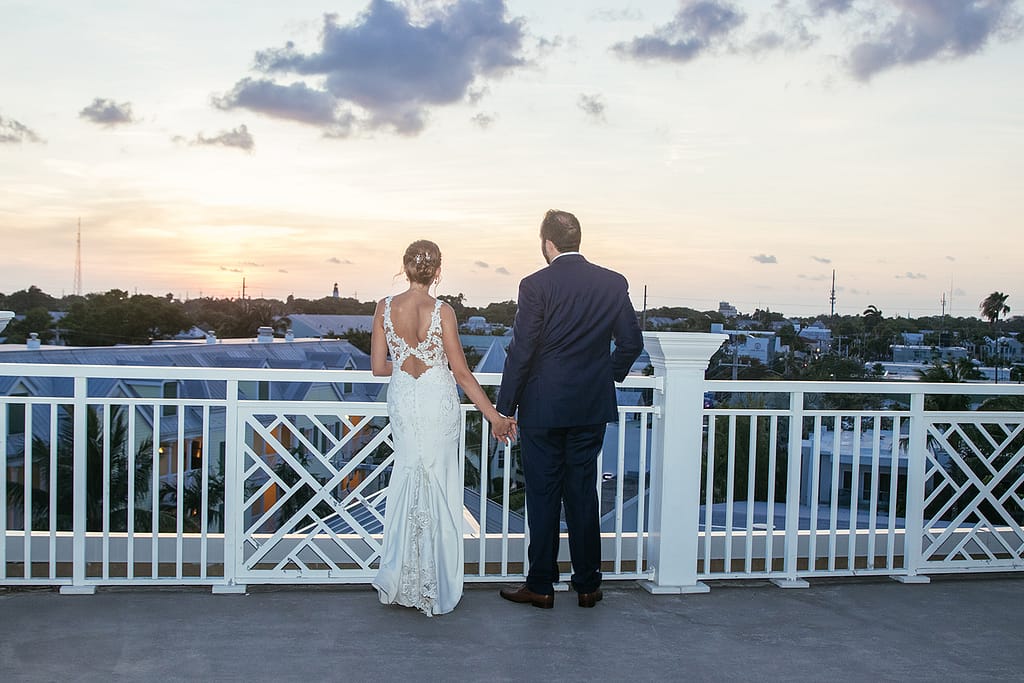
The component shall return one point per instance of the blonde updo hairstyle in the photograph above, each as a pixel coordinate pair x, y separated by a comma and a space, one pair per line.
421, 262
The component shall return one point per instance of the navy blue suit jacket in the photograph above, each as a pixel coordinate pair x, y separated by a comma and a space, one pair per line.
561, 368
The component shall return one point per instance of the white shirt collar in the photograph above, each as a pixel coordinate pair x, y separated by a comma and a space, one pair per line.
564, 253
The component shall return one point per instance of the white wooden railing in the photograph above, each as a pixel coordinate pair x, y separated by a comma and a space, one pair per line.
273, 491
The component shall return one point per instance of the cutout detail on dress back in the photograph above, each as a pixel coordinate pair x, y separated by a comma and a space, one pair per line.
418, 359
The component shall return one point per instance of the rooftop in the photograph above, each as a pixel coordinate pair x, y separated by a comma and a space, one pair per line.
962, 628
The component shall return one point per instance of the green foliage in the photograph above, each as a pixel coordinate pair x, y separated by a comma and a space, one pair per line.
24, 300
36, 320
117, 318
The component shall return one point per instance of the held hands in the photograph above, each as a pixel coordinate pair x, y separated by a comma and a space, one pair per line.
504, 428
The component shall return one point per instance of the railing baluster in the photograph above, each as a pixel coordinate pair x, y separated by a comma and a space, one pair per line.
851, 544
106, 492
769, 522
26, 495
154, 494
730, 498
4, 407
132, 475
709, 494
204, 513
620, 471
748, 553
641, 493
836, 462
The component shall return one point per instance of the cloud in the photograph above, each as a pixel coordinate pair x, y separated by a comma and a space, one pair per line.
250, 264
484, 120
923, 30
813, 278
698, 27
230, 270
282, 270
822, 7
12, 131
107, 112
821, 259
389, 66
593, 106
764, 258
295, 102
237, 137
628, 14
951, 258
912, 276
880, 34
338, 261
481, 264
502, 270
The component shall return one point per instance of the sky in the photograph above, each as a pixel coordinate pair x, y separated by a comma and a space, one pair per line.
713, 150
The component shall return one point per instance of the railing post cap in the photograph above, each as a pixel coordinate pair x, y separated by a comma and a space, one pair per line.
682, 346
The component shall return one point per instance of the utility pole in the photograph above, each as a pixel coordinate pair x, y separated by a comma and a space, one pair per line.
643, 315
78, 261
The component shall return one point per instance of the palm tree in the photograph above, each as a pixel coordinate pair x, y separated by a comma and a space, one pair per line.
872, 316
118, 503
994, 306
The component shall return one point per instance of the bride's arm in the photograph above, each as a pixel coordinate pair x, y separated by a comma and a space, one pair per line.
460, 369
379, 363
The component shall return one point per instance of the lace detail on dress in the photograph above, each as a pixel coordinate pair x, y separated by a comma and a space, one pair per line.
430, 350
418, 578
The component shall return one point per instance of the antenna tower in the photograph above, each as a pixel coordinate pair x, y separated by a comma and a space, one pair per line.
832, 296
78, 261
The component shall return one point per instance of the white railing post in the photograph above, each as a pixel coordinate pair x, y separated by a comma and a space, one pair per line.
917, 462
80, 493
234, 436
679, 361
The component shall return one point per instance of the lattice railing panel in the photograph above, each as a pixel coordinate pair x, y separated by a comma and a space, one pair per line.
313, 487
974, 505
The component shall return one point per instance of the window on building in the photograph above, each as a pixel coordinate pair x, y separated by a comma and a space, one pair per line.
170, 391
16, 417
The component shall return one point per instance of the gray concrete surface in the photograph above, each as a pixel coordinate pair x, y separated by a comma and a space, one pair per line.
967, 628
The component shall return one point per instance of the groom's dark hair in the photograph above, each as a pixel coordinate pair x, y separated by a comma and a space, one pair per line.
562, 228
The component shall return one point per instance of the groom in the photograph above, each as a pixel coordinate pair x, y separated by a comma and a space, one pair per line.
559, 374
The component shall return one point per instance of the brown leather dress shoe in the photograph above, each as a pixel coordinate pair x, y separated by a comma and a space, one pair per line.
527, 596
590, 599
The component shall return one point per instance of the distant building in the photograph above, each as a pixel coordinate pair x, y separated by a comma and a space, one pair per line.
335, 293
906, 353
817, 336
316, 326
727, 310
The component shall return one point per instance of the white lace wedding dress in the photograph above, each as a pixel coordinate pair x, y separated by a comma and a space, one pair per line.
421, 562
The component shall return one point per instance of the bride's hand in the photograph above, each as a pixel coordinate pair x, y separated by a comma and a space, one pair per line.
503, 428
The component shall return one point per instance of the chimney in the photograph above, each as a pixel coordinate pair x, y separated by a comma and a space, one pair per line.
33, 341
289, 336
265, 334
211, 337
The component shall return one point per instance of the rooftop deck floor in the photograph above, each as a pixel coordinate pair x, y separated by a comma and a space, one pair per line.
954, 629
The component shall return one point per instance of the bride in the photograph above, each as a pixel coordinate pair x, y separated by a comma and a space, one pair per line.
421, 562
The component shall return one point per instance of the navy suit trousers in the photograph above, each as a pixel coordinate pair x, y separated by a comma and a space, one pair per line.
560, 465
